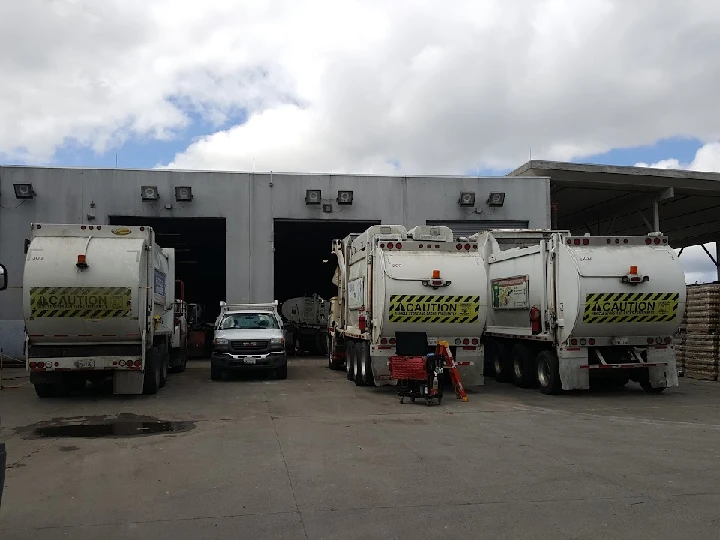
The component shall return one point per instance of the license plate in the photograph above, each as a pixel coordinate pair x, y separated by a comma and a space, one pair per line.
432, 341
84, 364
249, 360
621, 341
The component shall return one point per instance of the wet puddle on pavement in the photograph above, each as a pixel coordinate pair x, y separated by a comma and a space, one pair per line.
93, 427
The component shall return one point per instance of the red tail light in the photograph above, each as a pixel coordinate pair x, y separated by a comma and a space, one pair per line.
459, 247
591, 341
648, 241
466, 341
383, 341
382, 245
573, 342
398, 245
467, 247
392, 341
32, 365
421, 246
576, 241
650, 340
475, 341
586, 242
390, 245
668, 340
41, 365
657, 241
138, 363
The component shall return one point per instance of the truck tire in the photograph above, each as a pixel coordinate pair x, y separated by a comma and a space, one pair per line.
45, 390
650, 389
523, 373
548, 373
152, 372
164, 351
215, 373
181, 365
281, 373
349, 359
502, 363
321, 344
365, 362
358, 358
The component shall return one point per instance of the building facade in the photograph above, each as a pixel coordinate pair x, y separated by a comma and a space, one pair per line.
250, 203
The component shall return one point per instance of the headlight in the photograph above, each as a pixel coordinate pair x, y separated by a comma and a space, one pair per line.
277, 343
221, 342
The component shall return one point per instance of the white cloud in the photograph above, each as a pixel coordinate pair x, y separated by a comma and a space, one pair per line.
697, 265
356, 85
706, 159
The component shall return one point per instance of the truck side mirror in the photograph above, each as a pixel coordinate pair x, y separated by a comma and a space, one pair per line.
3, 278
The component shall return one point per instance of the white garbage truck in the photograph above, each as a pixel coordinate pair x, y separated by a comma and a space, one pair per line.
306, 323
397, 286
99, 301
566, 310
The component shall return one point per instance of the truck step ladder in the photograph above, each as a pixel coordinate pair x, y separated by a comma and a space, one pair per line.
443, 349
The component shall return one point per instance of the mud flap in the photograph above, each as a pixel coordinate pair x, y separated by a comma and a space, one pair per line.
128, 382
662, 376
571, 375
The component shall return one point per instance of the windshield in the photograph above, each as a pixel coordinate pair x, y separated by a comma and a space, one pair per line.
248, 321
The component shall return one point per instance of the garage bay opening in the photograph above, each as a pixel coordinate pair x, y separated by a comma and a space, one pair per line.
304, 268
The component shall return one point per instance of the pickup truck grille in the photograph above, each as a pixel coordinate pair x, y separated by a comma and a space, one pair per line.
249, 346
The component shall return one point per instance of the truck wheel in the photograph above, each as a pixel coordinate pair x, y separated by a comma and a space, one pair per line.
522, 364
164, 364
321, 344
215, 373
152, 372
502, 364
45, 390
548, 373
650, 390
365, 362
349, 359
358, 360
281, 373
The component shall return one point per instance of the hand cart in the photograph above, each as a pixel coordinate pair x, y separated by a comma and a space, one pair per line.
418, 377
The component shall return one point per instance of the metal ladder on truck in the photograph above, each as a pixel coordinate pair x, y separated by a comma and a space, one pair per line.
443, 349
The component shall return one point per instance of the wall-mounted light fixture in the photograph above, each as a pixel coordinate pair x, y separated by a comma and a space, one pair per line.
313, 196
327, 208
149, 193
467, 198
183, 194
496, 199
345, 197
24, 191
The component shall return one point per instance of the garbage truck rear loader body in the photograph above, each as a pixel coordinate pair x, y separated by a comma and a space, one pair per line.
565, 310
99, 301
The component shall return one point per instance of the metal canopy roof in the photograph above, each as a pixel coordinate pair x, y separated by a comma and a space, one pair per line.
603, 199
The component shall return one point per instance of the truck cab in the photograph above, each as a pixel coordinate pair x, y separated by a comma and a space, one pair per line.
248, 337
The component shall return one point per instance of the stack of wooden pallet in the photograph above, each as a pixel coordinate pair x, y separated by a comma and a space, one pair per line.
698, 342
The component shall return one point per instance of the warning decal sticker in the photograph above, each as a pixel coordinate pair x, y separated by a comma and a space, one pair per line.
82, 302
418, 308
630, 307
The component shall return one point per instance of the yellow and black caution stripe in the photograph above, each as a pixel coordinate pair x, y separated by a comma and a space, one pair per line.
630, 307
80, 302
443, 309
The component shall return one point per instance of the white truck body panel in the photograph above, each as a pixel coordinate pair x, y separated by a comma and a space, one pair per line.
578, 285
391, 287
103, 305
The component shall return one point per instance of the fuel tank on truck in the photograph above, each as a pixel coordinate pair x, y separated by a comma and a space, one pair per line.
440, 291
635, 287
98, 298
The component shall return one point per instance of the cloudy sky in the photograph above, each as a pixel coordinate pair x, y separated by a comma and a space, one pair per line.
422, 86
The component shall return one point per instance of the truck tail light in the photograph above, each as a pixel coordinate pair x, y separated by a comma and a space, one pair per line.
591, 341
383, 341
398, 245
656, 241
475, 341
390, 245
648, 241
650, 341
668, 340
573, 342
466, 341
459, 247
138, 363
467, 247
586, 242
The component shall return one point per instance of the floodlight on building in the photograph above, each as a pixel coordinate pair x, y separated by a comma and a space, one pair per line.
24, 191
149, 193
467, 198
496, 199
183, 194
313, 196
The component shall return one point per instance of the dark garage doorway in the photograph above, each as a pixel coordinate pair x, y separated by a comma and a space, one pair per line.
303, 262
199, 245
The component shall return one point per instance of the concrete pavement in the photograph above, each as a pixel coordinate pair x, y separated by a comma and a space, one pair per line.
316, 457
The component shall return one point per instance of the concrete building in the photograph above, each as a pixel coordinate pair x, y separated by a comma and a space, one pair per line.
247, 237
